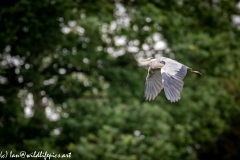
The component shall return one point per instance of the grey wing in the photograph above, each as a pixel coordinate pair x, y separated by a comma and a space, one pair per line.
173, 74
153, 84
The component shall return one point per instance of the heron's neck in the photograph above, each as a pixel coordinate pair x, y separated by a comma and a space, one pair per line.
152, 60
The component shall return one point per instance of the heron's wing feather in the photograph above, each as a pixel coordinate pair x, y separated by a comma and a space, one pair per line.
173, 74
174, 68
153, 84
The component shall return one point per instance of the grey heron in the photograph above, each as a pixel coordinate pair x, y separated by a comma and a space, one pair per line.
165, 73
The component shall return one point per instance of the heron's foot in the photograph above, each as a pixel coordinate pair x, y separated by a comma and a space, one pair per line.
197, 72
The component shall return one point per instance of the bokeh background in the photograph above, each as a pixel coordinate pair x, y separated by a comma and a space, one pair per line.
71, 82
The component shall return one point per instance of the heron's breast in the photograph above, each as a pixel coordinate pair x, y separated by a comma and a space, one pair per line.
156, 65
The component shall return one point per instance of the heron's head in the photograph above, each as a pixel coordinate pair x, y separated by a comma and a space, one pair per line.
146, 60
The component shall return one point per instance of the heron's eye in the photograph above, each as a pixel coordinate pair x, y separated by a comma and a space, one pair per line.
162, 62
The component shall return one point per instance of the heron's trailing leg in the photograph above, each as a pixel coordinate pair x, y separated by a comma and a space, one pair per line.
197, 72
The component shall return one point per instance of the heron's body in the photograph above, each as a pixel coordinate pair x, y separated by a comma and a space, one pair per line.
165, 73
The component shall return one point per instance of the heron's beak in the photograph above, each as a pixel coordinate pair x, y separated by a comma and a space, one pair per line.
143, 60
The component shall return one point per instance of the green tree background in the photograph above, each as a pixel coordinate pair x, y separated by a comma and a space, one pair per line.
70, 80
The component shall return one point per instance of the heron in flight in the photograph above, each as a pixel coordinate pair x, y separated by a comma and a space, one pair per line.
165, 73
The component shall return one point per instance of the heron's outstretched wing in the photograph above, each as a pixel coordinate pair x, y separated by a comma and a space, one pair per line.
173, 74
153, 84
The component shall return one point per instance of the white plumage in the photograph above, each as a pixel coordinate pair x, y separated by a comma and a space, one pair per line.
165, 73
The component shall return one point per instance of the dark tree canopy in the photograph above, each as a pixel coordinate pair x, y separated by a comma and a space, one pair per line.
70, 80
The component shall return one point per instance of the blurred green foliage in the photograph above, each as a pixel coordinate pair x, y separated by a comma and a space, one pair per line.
63, 55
